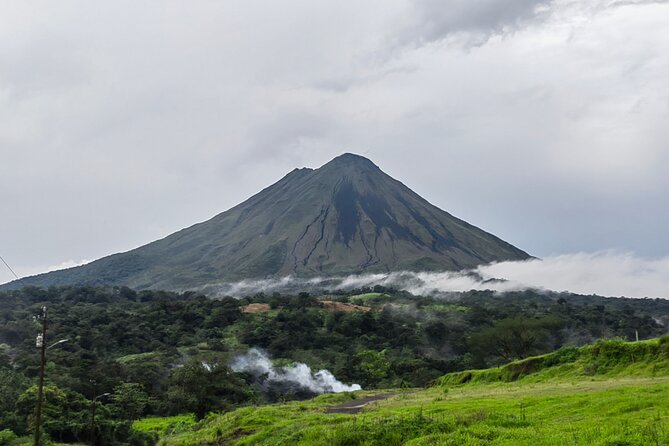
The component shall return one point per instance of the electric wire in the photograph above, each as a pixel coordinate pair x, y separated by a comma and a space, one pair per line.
9, 267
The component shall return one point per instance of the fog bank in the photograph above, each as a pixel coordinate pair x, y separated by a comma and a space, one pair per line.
605, 273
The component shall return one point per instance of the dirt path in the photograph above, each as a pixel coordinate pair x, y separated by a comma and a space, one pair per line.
355, 406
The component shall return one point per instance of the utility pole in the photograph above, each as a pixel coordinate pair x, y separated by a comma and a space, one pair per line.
94, 384
95, 398
41, 343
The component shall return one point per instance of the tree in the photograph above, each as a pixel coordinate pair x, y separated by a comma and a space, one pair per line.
516, 338
436, 330
372, 366
201, 387
129, 400
65, 416
12, 385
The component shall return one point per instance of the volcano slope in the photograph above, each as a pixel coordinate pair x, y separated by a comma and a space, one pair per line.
609, 393
347, 217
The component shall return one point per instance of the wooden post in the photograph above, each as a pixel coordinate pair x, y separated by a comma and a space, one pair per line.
40, 388
92, 433
93, 422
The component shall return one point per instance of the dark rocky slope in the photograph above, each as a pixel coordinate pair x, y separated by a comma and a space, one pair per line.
343, 218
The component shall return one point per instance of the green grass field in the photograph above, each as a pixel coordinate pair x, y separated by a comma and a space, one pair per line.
611, 393
164, 425
368, 297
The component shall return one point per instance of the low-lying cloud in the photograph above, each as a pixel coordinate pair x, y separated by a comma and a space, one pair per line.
260, 365
606, 273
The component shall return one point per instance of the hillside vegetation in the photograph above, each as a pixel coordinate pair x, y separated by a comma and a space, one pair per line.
165, 354
611, 393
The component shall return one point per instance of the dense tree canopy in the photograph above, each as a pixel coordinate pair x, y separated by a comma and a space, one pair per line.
165, 353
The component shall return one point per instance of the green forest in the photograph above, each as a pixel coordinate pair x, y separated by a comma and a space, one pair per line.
155, 353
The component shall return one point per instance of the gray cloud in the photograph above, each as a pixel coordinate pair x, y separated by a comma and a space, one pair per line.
479, 19
121, 122
473, 23
615, 3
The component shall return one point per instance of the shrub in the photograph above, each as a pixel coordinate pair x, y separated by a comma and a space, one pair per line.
517, 370
663, 345
7, 437
564, 355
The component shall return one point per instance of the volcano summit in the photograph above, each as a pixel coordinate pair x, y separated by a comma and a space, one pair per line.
347, 217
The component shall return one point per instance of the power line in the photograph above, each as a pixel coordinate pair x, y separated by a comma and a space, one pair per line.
9, 267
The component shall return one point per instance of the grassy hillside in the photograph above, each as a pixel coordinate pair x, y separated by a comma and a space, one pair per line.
609, 359
609, 393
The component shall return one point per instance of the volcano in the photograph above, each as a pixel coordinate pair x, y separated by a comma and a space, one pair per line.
346, 217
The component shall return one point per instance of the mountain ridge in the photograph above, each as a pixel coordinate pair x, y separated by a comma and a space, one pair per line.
346, 217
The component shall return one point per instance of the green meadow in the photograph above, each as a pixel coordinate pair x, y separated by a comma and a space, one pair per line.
611, 393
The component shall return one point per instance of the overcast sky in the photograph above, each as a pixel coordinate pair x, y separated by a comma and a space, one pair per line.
543, 122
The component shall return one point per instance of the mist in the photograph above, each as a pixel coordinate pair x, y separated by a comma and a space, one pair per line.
605, 273
296, 377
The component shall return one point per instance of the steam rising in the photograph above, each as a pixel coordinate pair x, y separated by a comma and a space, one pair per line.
606, 273
258, 364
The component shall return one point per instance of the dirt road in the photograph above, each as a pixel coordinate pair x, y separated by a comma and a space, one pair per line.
355, 406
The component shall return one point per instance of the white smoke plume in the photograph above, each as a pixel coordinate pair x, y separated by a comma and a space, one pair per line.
259, 364
606, 273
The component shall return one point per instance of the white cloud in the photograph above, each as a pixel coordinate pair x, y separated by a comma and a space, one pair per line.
609, 273
603, 273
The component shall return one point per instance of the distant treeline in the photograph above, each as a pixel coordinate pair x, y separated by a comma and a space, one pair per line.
163, 353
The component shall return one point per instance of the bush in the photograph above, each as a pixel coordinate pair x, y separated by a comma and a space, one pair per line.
564, 355
7, 437
139, 438
664, 346
516, 370
607, 354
